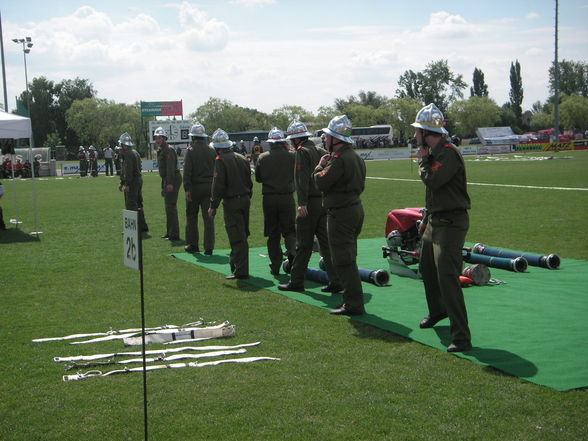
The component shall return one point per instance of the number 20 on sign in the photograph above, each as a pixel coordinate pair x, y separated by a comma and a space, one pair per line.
131, 239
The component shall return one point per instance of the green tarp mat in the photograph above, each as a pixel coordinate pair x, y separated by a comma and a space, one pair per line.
533, 326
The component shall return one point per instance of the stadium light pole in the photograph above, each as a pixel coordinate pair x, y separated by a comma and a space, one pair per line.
3, 67
556, 78
27, 44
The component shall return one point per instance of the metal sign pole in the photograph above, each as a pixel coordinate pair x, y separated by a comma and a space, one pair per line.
133, 258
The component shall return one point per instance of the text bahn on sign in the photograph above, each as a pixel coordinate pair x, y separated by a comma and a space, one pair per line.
131, 244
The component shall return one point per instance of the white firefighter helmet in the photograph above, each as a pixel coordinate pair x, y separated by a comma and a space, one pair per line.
81, 148
430, 118
340, 127
91, 147
276, 135
160, 131
220, 140
255, 139
125, 140
297, 129
197, 130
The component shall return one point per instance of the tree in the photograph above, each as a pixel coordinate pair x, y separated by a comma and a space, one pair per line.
573, 112
474, 113
364, 116
324, 115
283, 116
479, 87
42, 110
573, 78
508, 117
516, 91
542, 120
49, 103
220, 113
401, 112
100, 122
436, 84
66, 92
369, 98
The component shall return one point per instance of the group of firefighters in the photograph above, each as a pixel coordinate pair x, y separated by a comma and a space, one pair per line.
88, 158
328, 185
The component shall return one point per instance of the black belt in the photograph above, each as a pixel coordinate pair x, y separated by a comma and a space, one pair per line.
237, 196
277, 193
345, 206
449, 212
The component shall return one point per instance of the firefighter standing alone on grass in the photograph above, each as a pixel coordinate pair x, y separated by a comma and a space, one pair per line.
444, 226
131, 182
232, 184
171, 179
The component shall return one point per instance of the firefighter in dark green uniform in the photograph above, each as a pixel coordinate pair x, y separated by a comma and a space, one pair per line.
171, 179
340, 175
311, 217
275, 170
444, 227
198, 170
232, 184
131, 182
256, 150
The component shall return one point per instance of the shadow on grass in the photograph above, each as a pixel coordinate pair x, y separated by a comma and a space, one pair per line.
374, 327
13, 235
505, 361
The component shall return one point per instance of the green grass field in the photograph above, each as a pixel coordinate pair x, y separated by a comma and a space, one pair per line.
337, 379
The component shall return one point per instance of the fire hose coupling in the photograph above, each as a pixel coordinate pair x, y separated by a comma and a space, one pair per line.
378, 277
551, 261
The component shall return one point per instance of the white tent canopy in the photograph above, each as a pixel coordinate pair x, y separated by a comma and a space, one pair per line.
14, 126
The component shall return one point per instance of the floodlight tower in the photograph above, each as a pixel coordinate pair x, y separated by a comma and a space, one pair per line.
27, 44
556, 79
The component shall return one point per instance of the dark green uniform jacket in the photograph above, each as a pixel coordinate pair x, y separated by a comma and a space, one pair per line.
443, 173
198, 165
342, 180
232, 177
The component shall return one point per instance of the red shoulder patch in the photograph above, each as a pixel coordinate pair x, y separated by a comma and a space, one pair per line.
447, 145
436, 166
336, 155
299, 147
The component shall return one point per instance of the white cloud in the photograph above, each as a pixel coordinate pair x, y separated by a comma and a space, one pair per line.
253, 3
534, 51
532, 16
444, 25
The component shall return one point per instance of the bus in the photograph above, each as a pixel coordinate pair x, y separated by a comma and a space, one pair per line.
370, 137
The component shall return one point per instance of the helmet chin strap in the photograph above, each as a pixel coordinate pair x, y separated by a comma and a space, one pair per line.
333, 144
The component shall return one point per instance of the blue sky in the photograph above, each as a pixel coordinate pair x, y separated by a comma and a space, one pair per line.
268, 53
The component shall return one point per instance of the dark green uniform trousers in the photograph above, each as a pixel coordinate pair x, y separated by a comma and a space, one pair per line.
343, 226
279, 214
441, 265
200, 202
134, 201
171, 209
236, 217
306, 228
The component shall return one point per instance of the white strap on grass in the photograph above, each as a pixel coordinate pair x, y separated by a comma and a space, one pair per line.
82, 376
162, 352
113, 332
